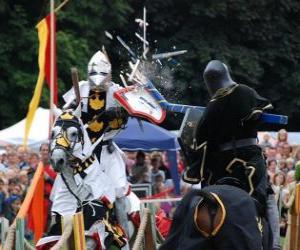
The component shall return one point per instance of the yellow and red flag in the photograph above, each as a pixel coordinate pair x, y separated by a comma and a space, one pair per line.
33, 204
36, 211
45, 50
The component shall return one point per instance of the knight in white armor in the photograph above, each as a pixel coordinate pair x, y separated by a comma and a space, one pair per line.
81, 185
103, 116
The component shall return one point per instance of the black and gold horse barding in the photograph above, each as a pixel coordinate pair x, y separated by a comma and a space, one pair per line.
218, 217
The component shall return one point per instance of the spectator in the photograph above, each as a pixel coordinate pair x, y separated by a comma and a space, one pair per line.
11, 185
49, 175
162, 166
279, 152
290, 177
12, 206
3, 168
17, 190
283, 166
266, 141
287, 150
12, 164
282, 137
271, 153
23, 179
139, 168
33, 162
4, 158
271, 168
297, 154
290, 163
155, 171
9, 148
3, 195
22, 154
278, 185
158, 185
49, 172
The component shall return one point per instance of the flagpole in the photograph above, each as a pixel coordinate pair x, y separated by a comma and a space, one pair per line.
52, 44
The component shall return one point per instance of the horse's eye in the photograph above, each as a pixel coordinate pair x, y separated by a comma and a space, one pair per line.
72, 133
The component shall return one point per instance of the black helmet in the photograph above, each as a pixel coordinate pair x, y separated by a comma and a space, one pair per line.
216, 76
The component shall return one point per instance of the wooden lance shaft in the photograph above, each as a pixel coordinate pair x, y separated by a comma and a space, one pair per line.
75, 80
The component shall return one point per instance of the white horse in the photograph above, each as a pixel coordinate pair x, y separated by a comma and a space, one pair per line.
82, 184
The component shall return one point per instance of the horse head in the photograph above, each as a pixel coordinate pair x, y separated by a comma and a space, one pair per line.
67, 138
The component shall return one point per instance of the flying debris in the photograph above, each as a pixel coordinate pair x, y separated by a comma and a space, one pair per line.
134, 68
141, 38
168, 54
126, 47
123, 80
144, 32
109, 35
140, 22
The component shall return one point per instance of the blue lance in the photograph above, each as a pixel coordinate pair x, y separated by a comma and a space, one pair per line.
265, 117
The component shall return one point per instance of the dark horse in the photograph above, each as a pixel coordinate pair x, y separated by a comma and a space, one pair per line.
218, 217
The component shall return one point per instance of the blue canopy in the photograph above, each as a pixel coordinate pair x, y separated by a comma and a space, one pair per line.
148, 138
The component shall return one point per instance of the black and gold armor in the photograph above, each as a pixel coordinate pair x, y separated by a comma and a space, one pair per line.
98, 118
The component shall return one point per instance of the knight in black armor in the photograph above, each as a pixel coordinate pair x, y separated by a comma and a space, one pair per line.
226, 135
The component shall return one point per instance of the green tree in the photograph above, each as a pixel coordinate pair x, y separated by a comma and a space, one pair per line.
259, 40
80, 32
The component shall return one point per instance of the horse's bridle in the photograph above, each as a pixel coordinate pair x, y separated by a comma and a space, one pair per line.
64, 143
61, 139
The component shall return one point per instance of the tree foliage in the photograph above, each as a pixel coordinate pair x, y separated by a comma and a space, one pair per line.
259, 40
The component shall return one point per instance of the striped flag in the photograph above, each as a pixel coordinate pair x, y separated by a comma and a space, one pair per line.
43, 28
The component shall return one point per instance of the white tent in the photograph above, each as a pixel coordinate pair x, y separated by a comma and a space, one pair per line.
38, 133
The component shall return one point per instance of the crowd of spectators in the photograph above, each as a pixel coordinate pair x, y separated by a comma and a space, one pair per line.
18, 164
281, 158
152, 168
17, 167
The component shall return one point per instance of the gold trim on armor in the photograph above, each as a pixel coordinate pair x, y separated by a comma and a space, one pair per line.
269, 106
220, 93
256, 111
219, 225
259, 224
229, 169
185, 177
81, 166
66, 116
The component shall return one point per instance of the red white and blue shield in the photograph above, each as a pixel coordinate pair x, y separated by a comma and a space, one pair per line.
139, 102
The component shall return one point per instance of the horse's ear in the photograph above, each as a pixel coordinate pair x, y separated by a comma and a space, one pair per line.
77, 111
57, 111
